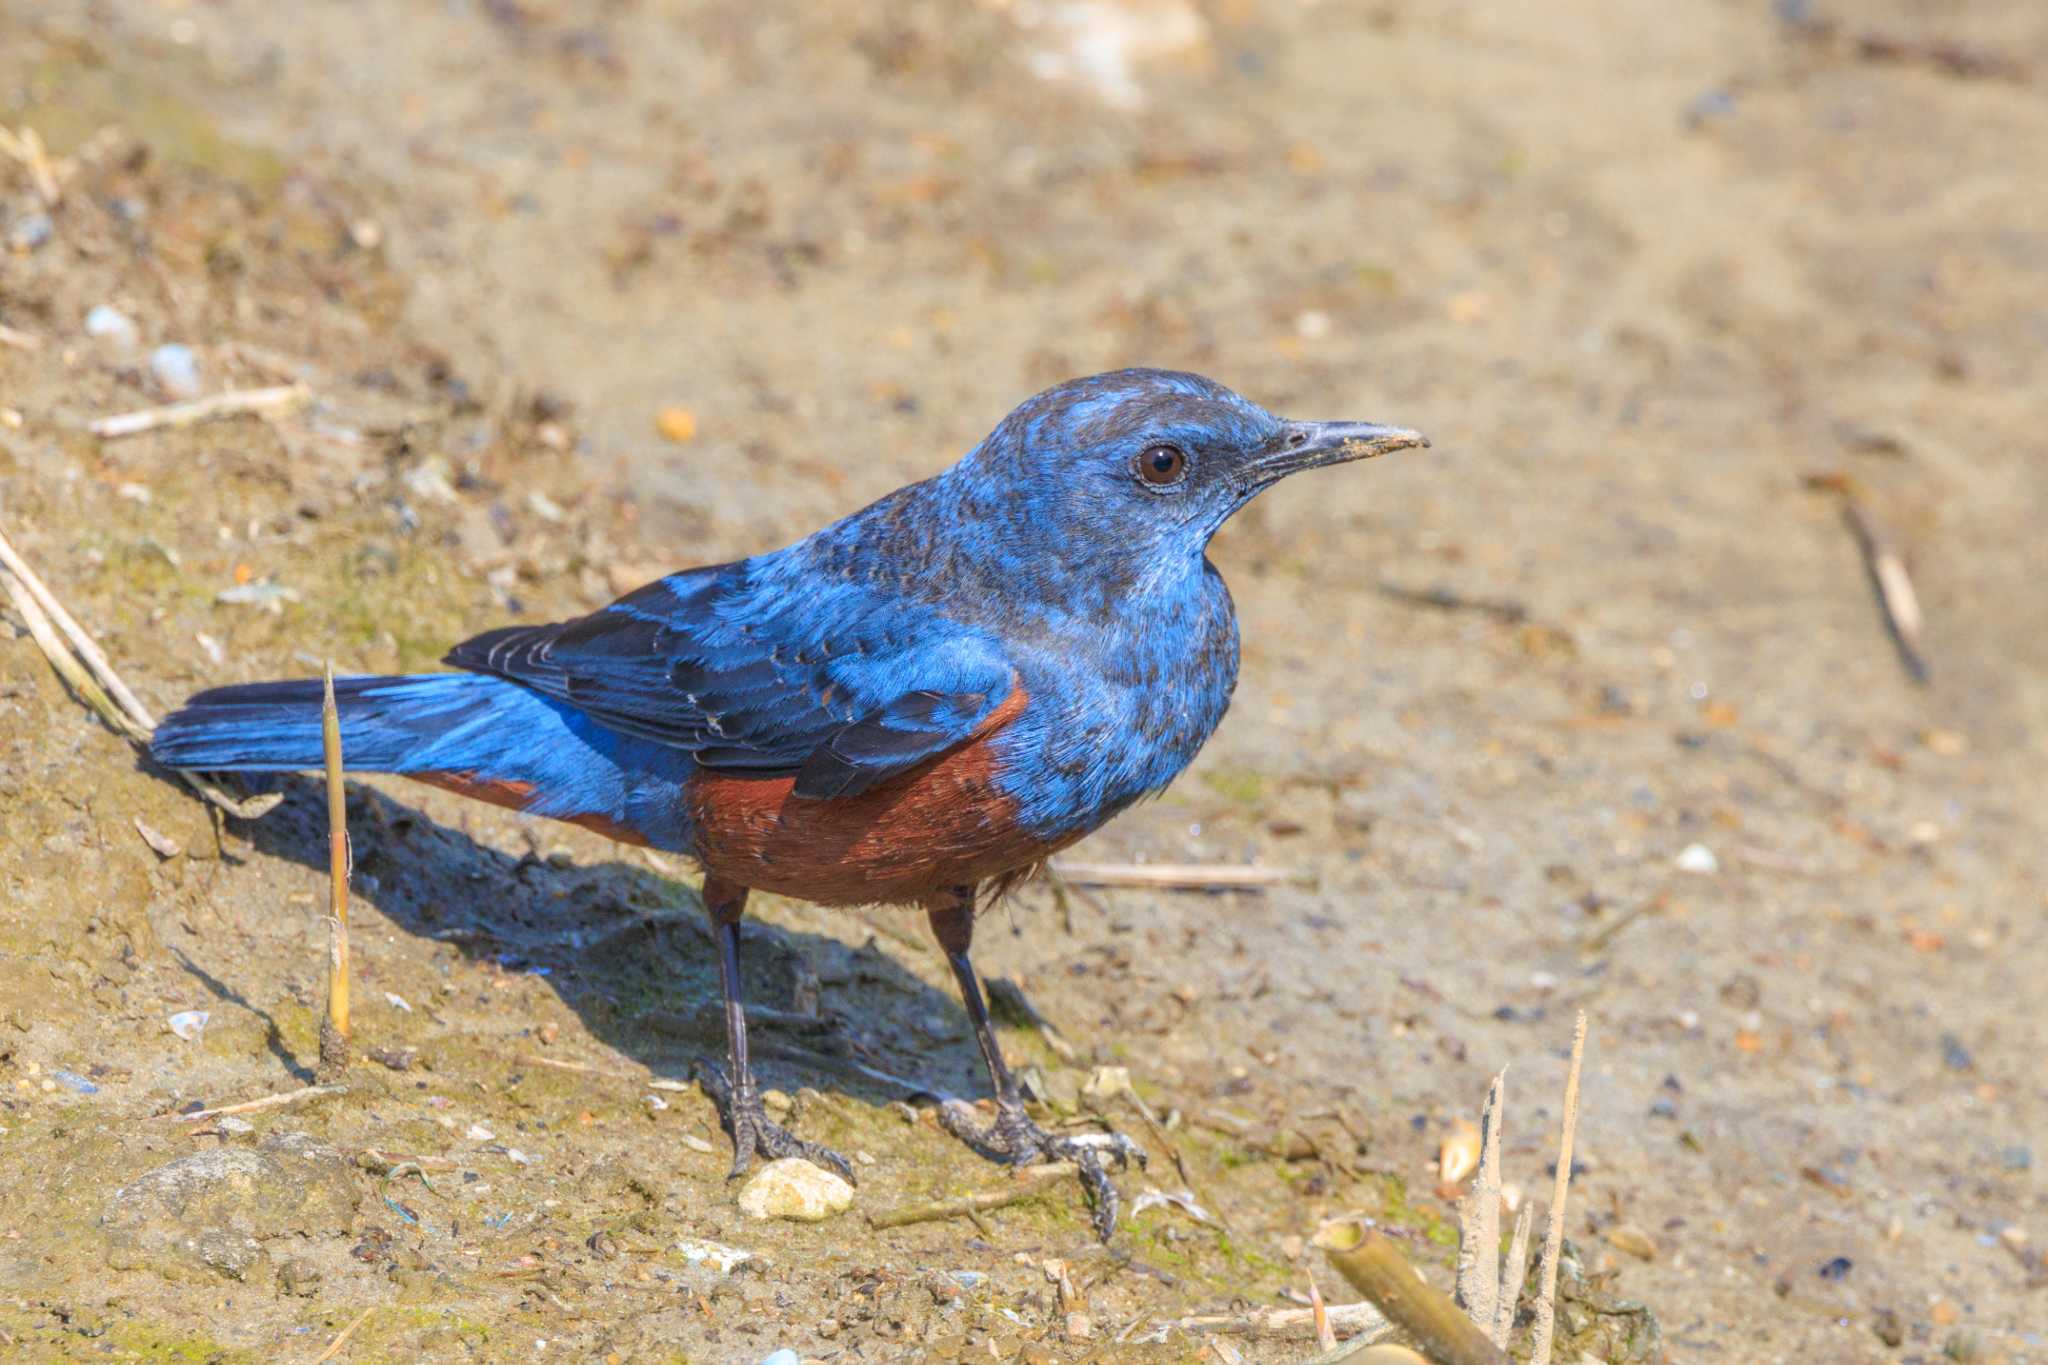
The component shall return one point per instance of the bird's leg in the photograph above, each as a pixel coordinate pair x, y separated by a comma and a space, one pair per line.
1014, 1138
734, 1090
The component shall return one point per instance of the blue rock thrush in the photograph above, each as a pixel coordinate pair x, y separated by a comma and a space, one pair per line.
912, 706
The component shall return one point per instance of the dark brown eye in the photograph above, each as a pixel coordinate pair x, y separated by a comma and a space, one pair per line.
1162, 465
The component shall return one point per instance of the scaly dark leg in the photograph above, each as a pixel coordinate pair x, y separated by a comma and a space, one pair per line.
734, 1090
1013, 1138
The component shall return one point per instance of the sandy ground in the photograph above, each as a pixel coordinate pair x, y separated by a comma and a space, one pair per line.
1639, 272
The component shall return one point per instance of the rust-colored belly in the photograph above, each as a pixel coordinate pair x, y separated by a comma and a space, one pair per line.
940, 826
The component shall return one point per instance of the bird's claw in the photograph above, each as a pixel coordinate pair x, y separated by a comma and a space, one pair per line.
751, 1130
1015, 1140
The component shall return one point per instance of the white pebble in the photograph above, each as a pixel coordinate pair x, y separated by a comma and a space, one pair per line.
1698, 858
793, 1188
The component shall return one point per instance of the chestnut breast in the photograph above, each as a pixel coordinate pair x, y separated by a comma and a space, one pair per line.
941, 825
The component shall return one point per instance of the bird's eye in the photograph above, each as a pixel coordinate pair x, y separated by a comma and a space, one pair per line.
1162, 466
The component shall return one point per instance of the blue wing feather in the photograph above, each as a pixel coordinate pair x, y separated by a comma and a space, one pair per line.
757, 671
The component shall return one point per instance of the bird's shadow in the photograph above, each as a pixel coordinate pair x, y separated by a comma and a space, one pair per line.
629, 951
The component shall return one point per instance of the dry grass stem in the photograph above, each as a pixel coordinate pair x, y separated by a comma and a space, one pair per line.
65, 643
341, 1339
26, 146
1326, 1338
1479, 1219
1894, 586
229, 404
1024, 1186
334, 1043
310, 1092
1553, 1240
19, 340
1347, 1320
1517, 1272
1180, 876
1377, 1269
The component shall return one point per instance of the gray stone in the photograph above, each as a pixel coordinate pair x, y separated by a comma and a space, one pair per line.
213, 1210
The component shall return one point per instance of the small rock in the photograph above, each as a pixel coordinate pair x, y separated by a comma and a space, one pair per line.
298, 1278
785, 1356
1837, 1269
1954, 1055
113, 326
717, 1255
71, 1080
1889, 1329
676, 424
777, 1104
793, 1188
213, 1210
1698, 859
2017, 1158
30, 232
188, 1024
1106, 1083
1633, 1240
1458, 1156
175, 367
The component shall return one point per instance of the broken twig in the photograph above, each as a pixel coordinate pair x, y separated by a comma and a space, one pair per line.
229, 404
19, 340
1182, 876
1887, 569
334, 1044
1553, 1241
1377, 1269
65, 643
310, 1092
341, 1339
1026, 1185
1291, 1324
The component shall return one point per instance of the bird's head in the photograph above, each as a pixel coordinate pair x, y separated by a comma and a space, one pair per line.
1148, 461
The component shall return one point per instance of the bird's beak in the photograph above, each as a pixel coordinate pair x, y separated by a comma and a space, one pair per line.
1310, 445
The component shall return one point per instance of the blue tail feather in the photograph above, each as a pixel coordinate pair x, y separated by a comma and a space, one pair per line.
440, 723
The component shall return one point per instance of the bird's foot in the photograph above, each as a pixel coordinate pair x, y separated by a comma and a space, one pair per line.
739, 1107
1015, 1140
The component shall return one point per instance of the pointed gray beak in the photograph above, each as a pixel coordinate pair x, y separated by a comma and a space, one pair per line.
1310, 445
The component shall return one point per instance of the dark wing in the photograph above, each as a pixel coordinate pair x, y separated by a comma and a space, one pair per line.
832, 685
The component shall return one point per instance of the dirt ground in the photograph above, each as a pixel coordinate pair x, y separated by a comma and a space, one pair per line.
1639, 270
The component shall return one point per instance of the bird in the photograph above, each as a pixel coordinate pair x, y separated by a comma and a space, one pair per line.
915, 706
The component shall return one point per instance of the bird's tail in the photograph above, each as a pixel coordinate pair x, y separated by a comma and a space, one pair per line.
390, 725
467, 732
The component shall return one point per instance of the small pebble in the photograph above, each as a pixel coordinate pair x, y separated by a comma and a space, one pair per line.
794, 1189
1458, 1157
1889, 1329
785, 1356
1632, 1240
30, 232
676, 424
112, 325
2017, 1159
1698, 859
188, 1024
73, 1081
718, 1256
175, 368
1837, 1269
1954, 1055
